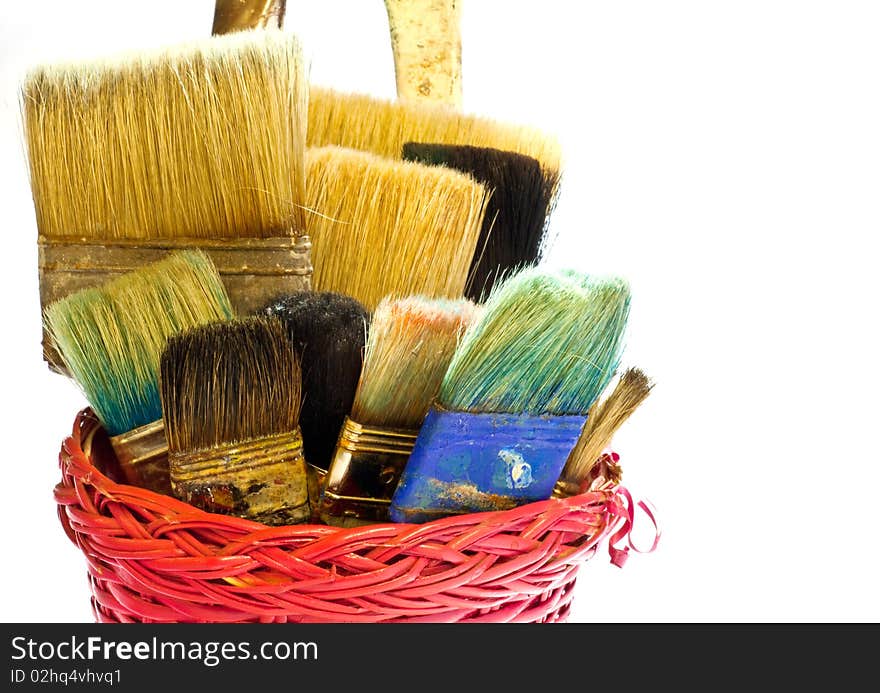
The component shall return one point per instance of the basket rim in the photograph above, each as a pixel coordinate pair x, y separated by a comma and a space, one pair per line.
77, 464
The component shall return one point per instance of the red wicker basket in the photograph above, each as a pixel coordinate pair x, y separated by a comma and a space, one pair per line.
152, 558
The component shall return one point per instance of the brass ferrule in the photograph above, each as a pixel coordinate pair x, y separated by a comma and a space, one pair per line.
364, 473
605, 474
564, 489
142, 454
253, 270
263, 479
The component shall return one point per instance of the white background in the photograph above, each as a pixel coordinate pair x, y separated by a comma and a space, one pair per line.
724, 156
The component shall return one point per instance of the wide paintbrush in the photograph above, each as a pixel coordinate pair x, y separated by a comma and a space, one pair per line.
382, 227
110, 339
515, 397
327, 332
411, 342
516, 214
231, 401
360, 121
196, 146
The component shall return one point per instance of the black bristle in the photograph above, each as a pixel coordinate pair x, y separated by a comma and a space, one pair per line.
517, 212
229, 382
328, 332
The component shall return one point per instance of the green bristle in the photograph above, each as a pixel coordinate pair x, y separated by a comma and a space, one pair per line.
547, 343
110, 338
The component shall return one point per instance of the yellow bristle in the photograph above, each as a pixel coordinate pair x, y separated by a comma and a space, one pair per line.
603, 420
382, 127
199, 141
381, 226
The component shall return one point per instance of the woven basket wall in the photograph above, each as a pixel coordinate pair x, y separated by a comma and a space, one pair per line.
152, 558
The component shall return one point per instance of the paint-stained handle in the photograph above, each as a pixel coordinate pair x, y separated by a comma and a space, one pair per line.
426, 42
239, 15
473, 462
262, 479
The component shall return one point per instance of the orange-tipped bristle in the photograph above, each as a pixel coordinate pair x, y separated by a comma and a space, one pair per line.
409, 348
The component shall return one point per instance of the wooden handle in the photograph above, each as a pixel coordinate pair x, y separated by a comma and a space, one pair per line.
239, 15
426, 42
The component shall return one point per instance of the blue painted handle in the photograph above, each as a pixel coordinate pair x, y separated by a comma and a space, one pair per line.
465, 462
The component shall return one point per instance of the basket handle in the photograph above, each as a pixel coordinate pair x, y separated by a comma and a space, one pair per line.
239, 15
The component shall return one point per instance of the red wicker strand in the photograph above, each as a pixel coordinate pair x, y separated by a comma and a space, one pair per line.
152, 558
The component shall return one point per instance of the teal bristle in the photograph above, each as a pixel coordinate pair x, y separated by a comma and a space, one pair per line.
110, 337
547, 343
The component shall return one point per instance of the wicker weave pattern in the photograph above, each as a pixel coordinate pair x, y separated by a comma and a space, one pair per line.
152, 558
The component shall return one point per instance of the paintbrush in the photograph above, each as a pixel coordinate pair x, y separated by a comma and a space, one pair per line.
231, 403
110, 339
516, 214
238, 15
514, 399
328, 332
375, 125
426, 45
411, 342
382, 227
603, 421
198, 146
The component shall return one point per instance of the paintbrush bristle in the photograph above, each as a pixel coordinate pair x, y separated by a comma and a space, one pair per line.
229, 382
200, 141
382, 227
110, 337
375, 125
411, 342
517, 212
327, 332
603, 421
547, 343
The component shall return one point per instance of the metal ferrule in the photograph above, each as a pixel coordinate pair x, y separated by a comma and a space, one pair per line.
263, 479
605, 474
564, 489
142, 454
364, 473
253, 270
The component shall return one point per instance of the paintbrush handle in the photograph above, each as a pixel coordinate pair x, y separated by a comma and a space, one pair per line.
426, 42
239, 15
